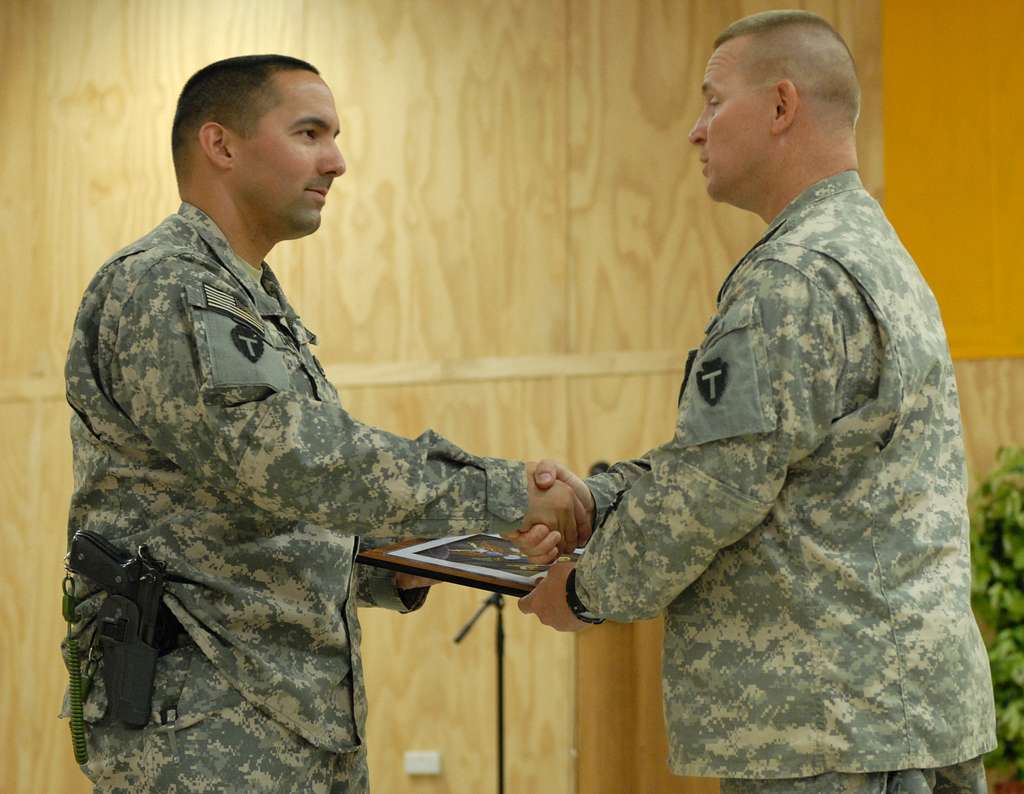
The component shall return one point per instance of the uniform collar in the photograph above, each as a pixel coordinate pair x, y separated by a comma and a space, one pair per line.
843, 182
242, 272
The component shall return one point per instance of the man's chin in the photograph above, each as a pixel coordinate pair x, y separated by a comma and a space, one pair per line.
304, 224
715, 192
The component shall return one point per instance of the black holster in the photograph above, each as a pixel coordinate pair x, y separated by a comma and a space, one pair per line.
132, 625
129, 664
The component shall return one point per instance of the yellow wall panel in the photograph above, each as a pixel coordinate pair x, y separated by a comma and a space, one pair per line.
954, 177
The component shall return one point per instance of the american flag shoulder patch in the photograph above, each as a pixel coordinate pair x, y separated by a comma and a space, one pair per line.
228, 304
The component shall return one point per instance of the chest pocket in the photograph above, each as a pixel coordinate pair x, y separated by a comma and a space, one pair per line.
238, 360
727, 388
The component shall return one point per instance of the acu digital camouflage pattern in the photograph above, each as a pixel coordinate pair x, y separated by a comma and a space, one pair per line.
805, 531
232, 459
204, 736
965, 778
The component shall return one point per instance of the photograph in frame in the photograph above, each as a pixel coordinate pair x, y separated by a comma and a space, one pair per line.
484, 561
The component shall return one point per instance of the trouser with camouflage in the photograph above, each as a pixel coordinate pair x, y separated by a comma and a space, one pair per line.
204, 737
965, 778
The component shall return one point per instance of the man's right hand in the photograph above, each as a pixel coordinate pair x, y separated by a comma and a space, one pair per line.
549, 526
547, 471
540, 542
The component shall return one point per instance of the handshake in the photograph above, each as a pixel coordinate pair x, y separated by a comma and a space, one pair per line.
559, 516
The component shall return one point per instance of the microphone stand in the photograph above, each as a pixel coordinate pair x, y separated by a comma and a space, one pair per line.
496, 600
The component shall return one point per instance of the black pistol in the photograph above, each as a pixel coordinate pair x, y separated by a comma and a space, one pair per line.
127, 621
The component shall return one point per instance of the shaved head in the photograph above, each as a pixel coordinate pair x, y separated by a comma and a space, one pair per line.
805, 49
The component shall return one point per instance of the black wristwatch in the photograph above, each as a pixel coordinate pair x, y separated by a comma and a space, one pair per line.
575, 604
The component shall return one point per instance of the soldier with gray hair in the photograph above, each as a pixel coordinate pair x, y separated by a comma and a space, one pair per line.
805, 531
208, 440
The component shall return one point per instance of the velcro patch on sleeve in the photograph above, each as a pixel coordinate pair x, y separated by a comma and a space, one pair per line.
727, 392
226, 303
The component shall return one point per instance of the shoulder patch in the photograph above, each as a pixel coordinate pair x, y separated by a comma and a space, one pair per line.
248, 342
733, 385
712, 378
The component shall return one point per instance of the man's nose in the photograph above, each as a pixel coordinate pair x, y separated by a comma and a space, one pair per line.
698, 134
334, 163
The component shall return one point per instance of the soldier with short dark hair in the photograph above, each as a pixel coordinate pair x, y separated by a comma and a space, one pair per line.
805, 532
205, 431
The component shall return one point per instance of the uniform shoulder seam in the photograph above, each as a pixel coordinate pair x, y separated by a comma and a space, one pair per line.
810, 277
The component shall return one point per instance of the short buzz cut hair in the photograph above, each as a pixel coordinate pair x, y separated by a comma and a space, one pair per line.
234, 92
804, 48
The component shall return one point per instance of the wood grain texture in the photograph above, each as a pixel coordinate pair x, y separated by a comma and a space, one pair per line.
622, 739
648, 249
105, 90
446, 238
426, 693
519, 204
35, 482
20, 59
992, 408
647, 253
453, 235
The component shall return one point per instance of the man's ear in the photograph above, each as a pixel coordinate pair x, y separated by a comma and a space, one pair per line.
218, 145
786, 103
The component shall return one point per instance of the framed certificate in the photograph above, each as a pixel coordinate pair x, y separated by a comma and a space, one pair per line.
487, 562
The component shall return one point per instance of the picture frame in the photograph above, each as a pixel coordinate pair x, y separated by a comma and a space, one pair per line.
482, 561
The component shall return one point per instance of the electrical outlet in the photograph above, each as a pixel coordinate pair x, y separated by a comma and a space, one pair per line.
423, 762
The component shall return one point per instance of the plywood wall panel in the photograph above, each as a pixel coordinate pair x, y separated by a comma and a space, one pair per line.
35, 484
991, 408
619, 672
105, 96
519, 184
641, 270
426, 693
648, 248
446, 238
20, 36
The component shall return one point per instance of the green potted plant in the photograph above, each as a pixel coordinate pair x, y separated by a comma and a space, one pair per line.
997, 554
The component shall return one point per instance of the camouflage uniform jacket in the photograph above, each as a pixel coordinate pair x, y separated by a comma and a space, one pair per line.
805, 531
204, 427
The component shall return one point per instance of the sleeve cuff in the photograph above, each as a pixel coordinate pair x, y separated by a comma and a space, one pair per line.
606, 489
377, 588
582, 593
506, 493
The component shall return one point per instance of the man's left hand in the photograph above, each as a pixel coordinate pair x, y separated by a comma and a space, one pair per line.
548, 603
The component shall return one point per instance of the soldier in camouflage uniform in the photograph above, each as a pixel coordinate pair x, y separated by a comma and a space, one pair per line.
805, 532
204, 427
